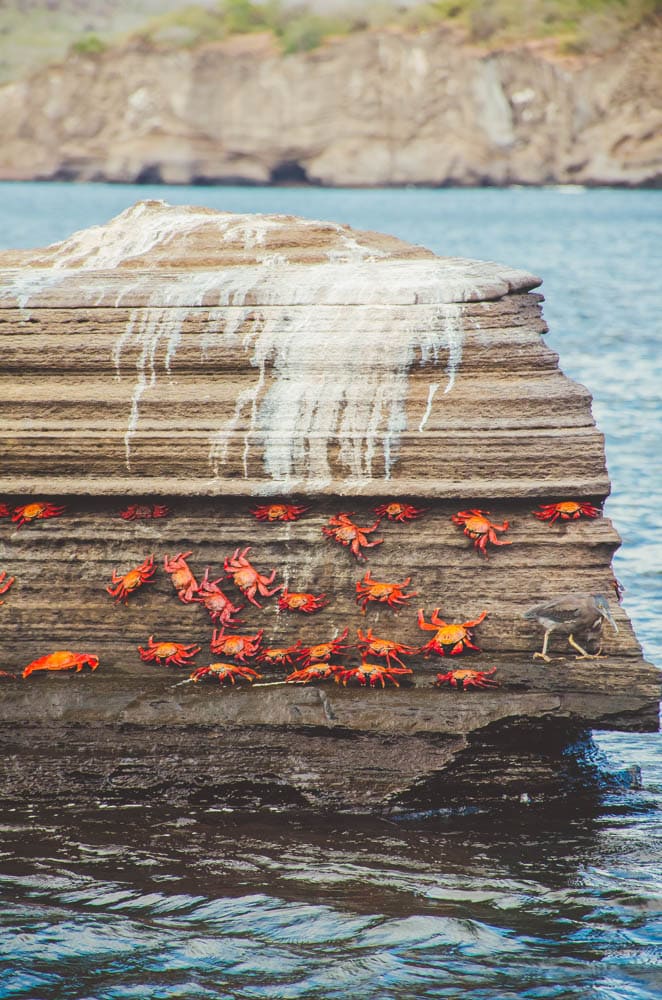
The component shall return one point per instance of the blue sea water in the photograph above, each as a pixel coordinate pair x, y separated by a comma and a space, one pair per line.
123, 904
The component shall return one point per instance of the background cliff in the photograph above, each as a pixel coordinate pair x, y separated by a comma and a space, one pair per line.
372, 107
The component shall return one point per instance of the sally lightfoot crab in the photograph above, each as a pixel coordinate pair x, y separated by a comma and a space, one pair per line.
385, 593
224, 673
240, 647
450, 639
169, 653
462, 680
477, 526
566, 510
341, 529
290, 601
143, 511
280, 656
63, 659
247, 578
218, 604
35, 512
372, 674
323, 651
386, 648
125, 585
182, 578
398, 511
279, 512
314, 672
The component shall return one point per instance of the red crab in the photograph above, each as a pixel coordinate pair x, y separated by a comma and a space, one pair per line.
342, 530
4, 510
386, 593
567, 510
247, 578
450, 639
219, 606
183, 580
301, 602
279, 656
168, 652
63, 659
396, 511
465, 679
369, 643
372, 674
139, 512
35, 512
224, 673
126, 584
323, 651
478, 526
238, 646
279, 512
5, 584
314, 672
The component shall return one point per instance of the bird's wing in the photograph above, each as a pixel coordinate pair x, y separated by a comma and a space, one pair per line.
561, 609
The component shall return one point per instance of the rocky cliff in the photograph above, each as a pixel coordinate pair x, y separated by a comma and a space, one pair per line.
376, 108
191, 367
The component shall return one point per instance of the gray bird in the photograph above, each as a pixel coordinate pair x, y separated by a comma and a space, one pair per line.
571, 614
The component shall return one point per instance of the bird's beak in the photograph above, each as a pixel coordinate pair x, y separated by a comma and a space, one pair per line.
606, 613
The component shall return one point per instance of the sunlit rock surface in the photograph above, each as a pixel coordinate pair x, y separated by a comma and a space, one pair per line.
212, 363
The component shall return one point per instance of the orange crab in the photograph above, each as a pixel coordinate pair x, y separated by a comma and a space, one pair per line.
566, 510
477, 525
465, 679
35, 512
396, 511
323, 651
168, 652
247, 578
279, 656
369, 643
183, 580
372, 674
238, 646
314, 672
219, 606
139, 512
279, 512
5, 583
450, 639
301, 602
126, 584
386, 593
224, 673
63, 659
342, 530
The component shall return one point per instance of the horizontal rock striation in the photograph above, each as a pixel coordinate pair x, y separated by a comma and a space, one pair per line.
377, 108
212, 364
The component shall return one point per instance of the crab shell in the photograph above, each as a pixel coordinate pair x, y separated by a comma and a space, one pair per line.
314, 672
396, 511
63, 659
567, 510
372, 674
279, 512
35, 512
465, 679
289, 601
224, 673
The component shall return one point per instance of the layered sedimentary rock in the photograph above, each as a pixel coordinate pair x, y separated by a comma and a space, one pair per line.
376, 108
212, 364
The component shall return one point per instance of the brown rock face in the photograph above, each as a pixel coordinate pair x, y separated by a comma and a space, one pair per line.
210, 365
377, 108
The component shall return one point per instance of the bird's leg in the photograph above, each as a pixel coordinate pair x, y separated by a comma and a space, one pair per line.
543, 654
584, 654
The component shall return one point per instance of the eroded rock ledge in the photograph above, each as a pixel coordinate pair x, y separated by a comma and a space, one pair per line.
215, 362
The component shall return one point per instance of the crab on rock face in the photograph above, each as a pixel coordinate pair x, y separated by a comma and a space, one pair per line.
141, 512
289, 601
397, 511
373, 674
238, 646
224, 673
218, 604
385, 593
247, 578
465, 679
125, 585
279, 512
566, 510
279, 655
63, 659
449, 639
386, 648
313, 672
477, 525
323, 651
341, 529
35, 512
5, 583
168, 652
182, 578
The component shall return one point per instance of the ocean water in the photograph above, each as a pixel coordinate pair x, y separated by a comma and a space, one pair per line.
135, 902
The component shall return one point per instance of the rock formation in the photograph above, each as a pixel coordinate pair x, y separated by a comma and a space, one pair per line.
212, 364
375, 108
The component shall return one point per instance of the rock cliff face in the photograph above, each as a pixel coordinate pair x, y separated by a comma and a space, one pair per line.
372, 109
211, 363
